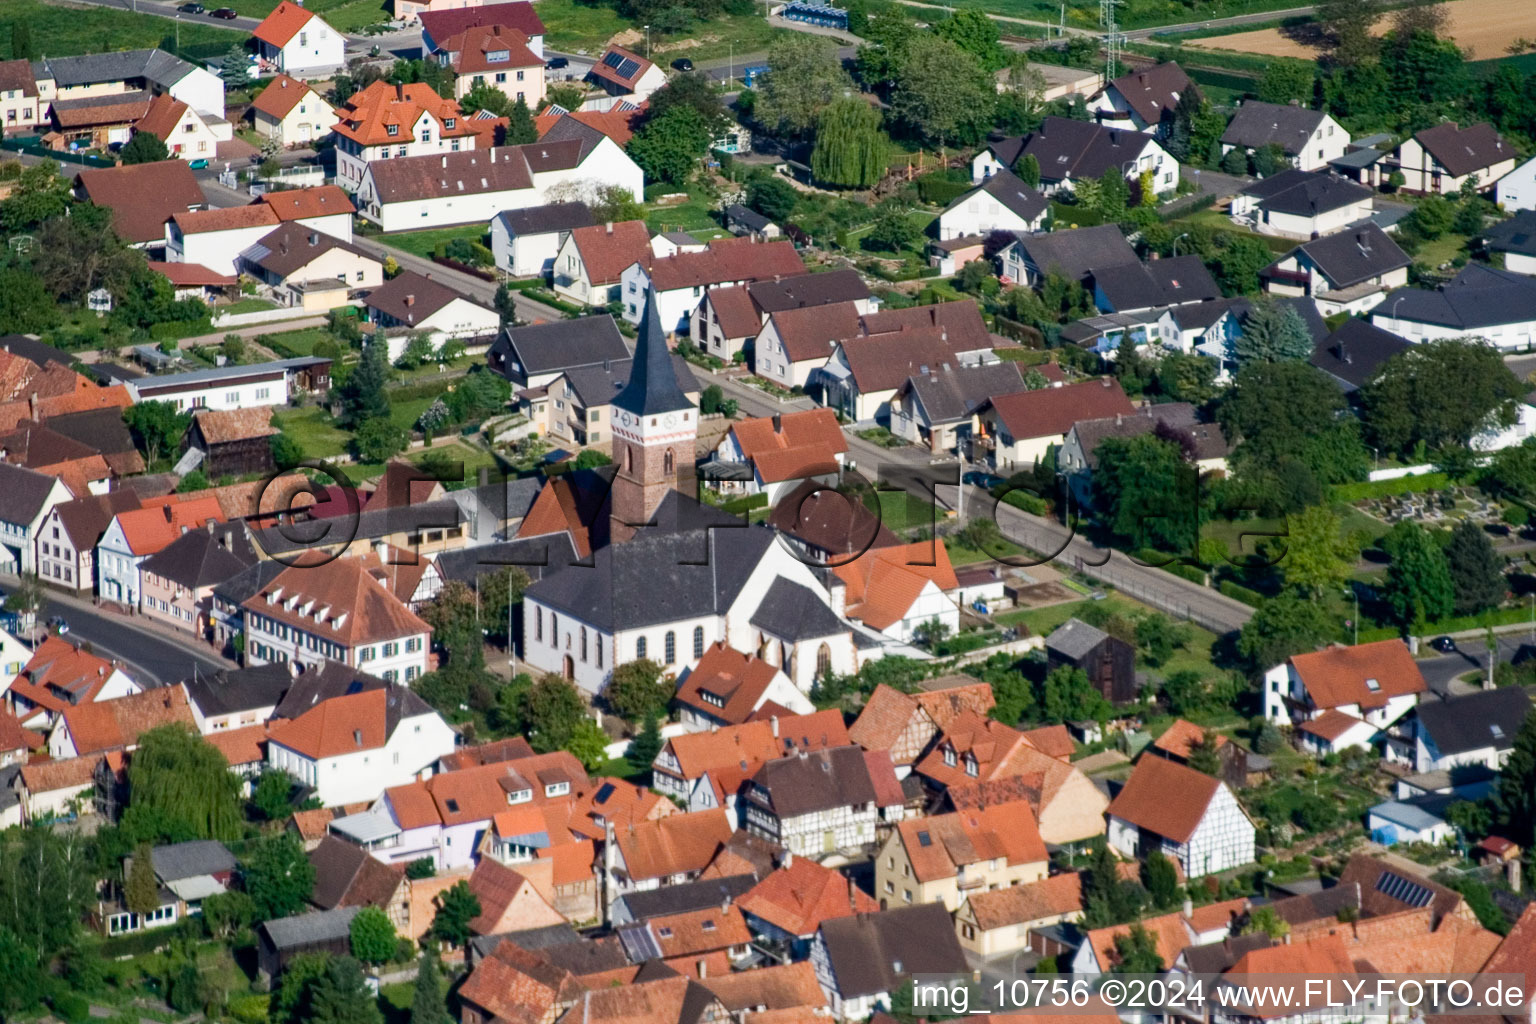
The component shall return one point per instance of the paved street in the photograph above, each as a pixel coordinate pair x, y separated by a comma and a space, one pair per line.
1443, 672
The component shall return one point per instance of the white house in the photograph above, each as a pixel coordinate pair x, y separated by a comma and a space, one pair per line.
187, 133
1141, 101
1302, 204
1000, 203
862, 959
816, 802
61, 675
679, 281
1516, 190
29, 497
1361, 690
1191, 817
897, 590
94, 75
590, 264
1021, 427
1346, 272
295, 41
233, 387
1310, 138
133, 536
215, 238
1068, 151
726, 687
422, 305
350, 748
1516, 239
1479, 303
327, 209
525, 242
474, 186
291, 112
783, 450
1469, 729
1444, 158
1410, 821
391, 122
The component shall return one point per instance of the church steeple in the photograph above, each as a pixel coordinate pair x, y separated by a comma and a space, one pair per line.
654, 428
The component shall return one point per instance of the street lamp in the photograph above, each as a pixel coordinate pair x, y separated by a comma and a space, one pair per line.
647, 42
1176, 244
1355, 622
1375, 456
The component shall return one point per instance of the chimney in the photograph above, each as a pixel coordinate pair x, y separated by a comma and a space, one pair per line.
703, 969
1188, 908
609, 226
1119, 419
32, 407
357, 737
209, 524
493, 154
778, 423
410, 300
773, 722
445, 159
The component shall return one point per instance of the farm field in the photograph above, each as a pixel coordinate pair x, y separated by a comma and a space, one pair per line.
1485, 27
75, 28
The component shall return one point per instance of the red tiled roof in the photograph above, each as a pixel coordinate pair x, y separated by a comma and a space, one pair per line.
1054, 740
443, 24
618, 125
353, 605
142, 196
367, 115
280, 96
801, 444
148, 530
340, 725
59, 666
602, 69
162, 117
1343, 675
801, 895
52, 776
13, 736
1183, 735
1169, 932
726, 259
674, 845
940, 845
884, 583
304, 203
230, 218
1330, 725
192, 275
1165, 797
1055, 896
606, 250
474, 46
241, 746
737, 680
114, 724
756, 742
285, 21
1051, 411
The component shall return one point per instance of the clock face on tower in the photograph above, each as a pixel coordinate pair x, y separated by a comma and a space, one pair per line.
671, 419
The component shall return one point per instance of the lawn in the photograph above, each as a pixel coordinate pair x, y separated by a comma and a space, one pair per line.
295, 344
697, 213
962, 554
248, 305
900, 510
345, 15
921, 219
315, 431
422, 243
474, 459
1221, 222
1442, 250
1041, 621
575, 27
58, 29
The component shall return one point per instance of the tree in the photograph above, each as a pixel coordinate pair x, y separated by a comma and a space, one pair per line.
692, 89
1284, 625
144, 148
21, 40
418, 350
1265, 920
931, 632
1114, 194
287, 1005
894, 230
1318, 556
1272, 333
1290, 410
340, 996
669, 147
551, 709
500, 590
941, 95
364, 398
588, 744
1418, 586
235, 68
141, 892
273, 794
645, 746
1067, 695
278, 877
286, 452
489, 99
1160, 878
27, 598
40, 194
772, 196
1514, 798
428, 1001
1287, 81
372, 936
1028, 170
1409, 402
456, 907
156, 427
638, 691
47, 880
379, 440
1136, 953
1477, 571
1349, 22
1146, 492
804, 77
977, 35
1202, 754
851, 146
180, 788
25, 305
196, 480
1431, 217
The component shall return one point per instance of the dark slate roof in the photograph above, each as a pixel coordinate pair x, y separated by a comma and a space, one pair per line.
34, 351
1009, 190
310, 929
685, 898
1307, 193
1479, 296
1168, 282
1517, 235
1257, 124
324, 681
245, 585
1355, 254
23, 493
803, 290
531, 939
1356, 352
653, 387
561, 344
808, 782
1220, 957
582, 956
229, 691
324, 534
1488, 718
1154, 90
537, 556
507, 498
189, 860
551, 217
155, 65
658, 576
1464, 150
1317, 906
791, 612
744, 217
202, 558
348, 875
830, 521
102, 429
600, 383
955, 392
1210, 442
879, 952
1075, 252
1075, 639
1077, 149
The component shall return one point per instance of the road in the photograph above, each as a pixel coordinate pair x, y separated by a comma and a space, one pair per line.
1443, 672
1235, 22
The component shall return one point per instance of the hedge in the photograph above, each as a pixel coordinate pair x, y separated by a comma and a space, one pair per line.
251, 1009
1192, 573
1238, 592
940, 191
1348, 493
75, 1009
736, 506
1030, 503
136, 943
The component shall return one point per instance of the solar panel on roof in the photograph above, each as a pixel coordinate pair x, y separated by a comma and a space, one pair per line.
604, 792
1402, 890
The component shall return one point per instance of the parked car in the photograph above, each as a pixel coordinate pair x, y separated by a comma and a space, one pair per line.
192, 9
199, 164
682, 64
556, 63
1443, 644
227, 13
986, 481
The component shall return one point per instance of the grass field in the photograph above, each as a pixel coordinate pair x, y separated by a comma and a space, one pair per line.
421, 243
1221, 222
300, 342
586, 27
1485, 28
345, 15
1041, 621
72, 29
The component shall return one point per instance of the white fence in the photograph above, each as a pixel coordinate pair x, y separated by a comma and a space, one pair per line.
263, 316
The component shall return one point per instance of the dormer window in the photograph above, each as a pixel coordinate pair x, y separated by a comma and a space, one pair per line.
519, 796
391, 129
498, 56
450, 122
557, 789
949, 756
971, 768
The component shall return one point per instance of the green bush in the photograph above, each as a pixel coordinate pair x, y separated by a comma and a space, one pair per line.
135, 944
249, 1009
172, 330
1384, 488
75, 1009
1030, 503
739, 506
1238, 592
1516, 515
1192, 573
937, 190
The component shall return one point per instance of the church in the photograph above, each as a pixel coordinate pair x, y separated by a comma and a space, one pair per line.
668, 576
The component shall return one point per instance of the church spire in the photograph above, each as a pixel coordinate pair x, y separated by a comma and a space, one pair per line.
652, 387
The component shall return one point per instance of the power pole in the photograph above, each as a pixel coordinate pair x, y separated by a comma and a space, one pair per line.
1111, 38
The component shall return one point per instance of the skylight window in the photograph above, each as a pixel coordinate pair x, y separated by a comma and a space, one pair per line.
1373, 686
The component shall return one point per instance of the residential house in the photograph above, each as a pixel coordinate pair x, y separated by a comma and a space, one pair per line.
17, 743
142, 197
474, 184
95, 727
903, 725
1181, 738
233, 699
95, 76
325, 208
938, 410
627, 75
51, 790
1021, 428
194, 281
98, 122
1481, 301
1346, 272
1302, 204
1469, 729
727, 319
1071, 254
1444, 158
453, 17
21, 110
1516, 239
1188, 816
734, 870
185, 875
822, 525
188, 134
526, 242
1310, 138
176, 583
60, 675
294, 41
996, 922
1514, 192
949, 858
280, 940
310, 270
1078, 455
215, 238
385, 121
82, 468
1144, 100
783, 450
236, 387
232, 441
349, 747
1344, 696
513, 983
1000, 203
679, 281
508, 900
1133, 287
727, 688
591, 262
862, 959
663, 851
817, 803
28, 498
494, 56
420, 305
698, 943
134, 535
690, 762
578, 405
1355, 353
535, 355
898, 590
346, 876
344, 614
791, 903
785, 992
291, 112
1108, 661
1069, 151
